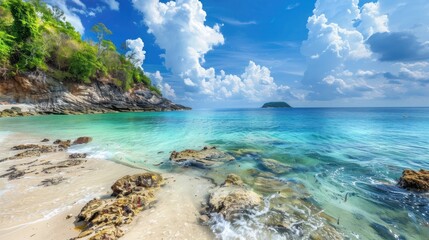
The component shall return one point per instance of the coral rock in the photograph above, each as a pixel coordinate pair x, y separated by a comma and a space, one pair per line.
129, 184
413, 180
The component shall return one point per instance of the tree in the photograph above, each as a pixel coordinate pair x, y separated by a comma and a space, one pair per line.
58, 14
29, 52
84, 64
24, 15
101, 31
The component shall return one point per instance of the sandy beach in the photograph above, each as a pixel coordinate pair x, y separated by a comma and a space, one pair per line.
33, 210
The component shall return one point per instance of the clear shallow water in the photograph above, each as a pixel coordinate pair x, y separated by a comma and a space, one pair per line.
358, 152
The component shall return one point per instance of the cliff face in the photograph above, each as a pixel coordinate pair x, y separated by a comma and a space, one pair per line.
49, 96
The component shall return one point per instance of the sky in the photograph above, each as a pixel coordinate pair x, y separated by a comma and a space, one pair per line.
242, 53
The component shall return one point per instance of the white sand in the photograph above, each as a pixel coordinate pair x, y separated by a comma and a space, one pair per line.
30, 211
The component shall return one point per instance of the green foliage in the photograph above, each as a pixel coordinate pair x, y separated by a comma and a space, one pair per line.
6, 42
34, 36
24, 15
84, 64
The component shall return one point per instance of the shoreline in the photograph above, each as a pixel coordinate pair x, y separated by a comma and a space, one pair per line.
25, 110
34, 211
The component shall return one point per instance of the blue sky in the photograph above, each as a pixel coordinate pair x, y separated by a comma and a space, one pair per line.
242, 53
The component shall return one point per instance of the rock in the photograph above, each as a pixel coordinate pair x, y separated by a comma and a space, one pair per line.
413, 180
386, 233
16, 109
13, 174
275, 166
233, 179
129, 184
207, 157
45, 140
109, 232
35, 147
48, 95
230, 200
77, 155
204, 219
27, 153
62, 144
82, 140
64, 164
52, 181
102, 218
69, 216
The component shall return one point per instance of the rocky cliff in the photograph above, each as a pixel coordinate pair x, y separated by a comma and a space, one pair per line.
46, 95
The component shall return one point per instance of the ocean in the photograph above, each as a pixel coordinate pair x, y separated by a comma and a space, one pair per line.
346, 160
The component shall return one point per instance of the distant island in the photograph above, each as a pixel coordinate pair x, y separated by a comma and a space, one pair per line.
276, 105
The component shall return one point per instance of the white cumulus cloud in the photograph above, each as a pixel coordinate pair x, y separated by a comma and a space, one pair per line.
354, 52
166, 89
180, 30
113, 4
136, 54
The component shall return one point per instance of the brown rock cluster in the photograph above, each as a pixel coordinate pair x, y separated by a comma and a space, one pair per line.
206, 157
102, 218
415, 180
232, 198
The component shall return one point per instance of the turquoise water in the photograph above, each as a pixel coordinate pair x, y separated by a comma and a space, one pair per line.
358, 152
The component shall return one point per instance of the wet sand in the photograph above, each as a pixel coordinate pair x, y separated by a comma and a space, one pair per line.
33, 211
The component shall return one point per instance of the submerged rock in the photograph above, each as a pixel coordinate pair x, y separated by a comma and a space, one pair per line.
52, 181
207, 157
82, 140
13, 174
102, 218
64, 164
233, 179
275, 166
413, 180
286, 211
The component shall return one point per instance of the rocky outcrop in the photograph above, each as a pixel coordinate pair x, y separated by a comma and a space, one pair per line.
102, 218
50, 96
232, 198
207, 157
415, 180
135, 183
